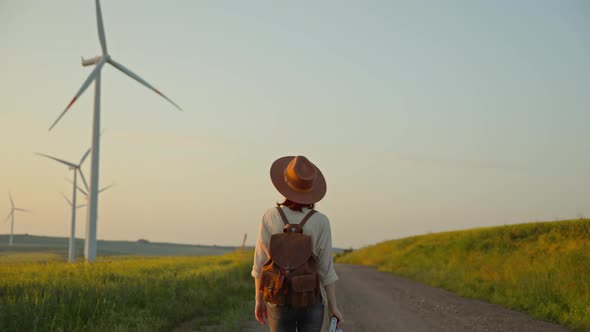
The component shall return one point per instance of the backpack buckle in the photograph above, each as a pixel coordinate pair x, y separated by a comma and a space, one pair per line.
292, 228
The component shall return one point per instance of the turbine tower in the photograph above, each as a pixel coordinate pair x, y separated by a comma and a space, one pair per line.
77, 169
99, 62
11, 217
72, 248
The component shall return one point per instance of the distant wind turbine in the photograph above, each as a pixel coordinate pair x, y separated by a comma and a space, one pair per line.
86, 193
11, 217
99, 62
77, 170
70, 202
72, 247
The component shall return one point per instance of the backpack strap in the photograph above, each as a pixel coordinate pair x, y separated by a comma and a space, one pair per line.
303, 221
306, 218
283, 216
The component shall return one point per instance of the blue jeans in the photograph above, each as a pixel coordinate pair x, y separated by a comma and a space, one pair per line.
286, 319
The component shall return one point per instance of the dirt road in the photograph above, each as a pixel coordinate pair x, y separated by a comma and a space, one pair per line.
380, 302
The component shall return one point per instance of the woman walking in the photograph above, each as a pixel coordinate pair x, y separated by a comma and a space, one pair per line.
293, 265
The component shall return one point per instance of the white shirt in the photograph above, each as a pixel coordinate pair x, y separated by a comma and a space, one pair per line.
318, 227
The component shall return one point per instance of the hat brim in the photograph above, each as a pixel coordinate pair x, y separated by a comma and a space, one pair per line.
277, 171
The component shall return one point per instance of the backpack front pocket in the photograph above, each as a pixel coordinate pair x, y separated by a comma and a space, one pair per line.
272, 286
304, 290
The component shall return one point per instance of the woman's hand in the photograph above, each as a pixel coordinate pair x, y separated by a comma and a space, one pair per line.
260, 312
336, 313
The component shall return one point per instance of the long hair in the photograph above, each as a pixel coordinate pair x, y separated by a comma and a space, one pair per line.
296, 206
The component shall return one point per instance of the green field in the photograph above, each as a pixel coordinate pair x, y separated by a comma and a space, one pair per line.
122, 294
539, 268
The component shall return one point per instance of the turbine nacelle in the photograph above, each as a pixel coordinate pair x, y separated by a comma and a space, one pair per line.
91, 61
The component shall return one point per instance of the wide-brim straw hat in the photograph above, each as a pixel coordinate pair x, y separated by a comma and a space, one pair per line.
298, 179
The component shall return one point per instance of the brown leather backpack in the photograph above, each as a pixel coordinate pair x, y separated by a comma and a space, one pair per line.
290, 276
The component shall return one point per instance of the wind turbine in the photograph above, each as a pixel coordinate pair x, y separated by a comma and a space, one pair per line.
86, 193
11, 217
72, 247
77, 169
99, 62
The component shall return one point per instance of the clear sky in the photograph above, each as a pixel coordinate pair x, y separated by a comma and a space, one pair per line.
424, 115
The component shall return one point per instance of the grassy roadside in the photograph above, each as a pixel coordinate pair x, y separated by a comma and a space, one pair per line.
540, 268
125, 294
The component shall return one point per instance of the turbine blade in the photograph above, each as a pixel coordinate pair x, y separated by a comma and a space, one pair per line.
106, 188
22, 210
9, 215
77, 187
140, 80
83, 179
82, 89
67, 199
11, 201
84, 158
101, 36
67, 163
80, 206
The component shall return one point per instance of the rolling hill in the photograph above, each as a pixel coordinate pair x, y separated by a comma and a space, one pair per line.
59, 246
539, 268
